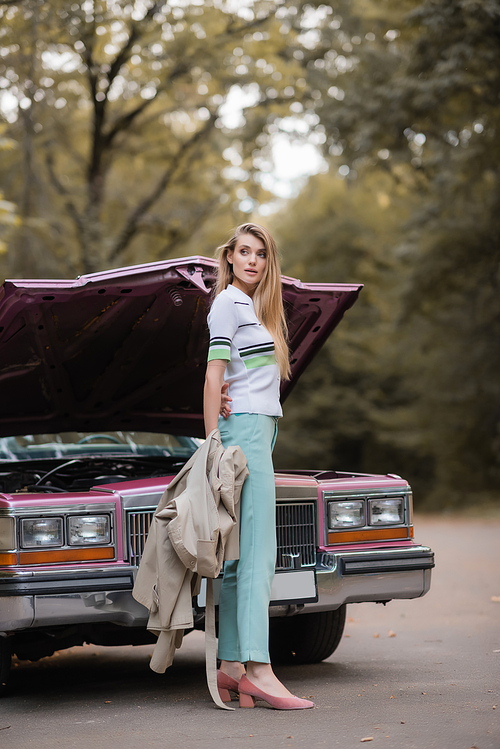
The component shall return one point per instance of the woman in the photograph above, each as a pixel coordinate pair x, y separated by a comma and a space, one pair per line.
248, 350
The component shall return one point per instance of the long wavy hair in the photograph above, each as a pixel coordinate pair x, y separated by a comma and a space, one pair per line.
267, 298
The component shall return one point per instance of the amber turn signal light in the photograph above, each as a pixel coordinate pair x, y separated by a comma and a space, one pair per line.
8, 558
379, 534
66, 555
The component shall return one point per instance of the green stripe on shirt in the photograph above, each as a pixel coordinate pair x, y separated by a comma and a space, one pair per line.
219, 353
260, 361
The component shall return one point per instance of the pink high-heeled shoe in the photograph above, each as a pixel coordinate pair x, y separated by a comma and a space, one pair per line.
249, 693
225, 684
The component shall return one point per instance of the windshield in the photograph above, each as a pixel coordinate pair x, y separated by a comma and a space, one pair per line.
68, 444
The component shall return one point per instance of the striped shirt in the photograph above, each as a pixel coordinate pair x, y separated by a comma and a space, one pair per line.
237, 336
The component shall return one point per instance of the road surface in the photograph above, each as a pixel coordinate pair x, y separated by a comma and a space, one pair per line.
421, 674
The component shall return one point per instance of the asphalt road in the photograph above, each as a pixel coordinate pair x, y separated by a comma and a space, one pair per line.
420, 674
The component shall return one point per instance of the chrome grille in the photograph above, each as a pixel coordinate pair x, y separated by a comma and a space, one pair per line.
295, 534
138, 523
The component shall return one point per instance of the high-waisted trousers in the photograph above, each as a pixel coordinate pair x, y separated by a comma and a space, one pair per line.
246, 586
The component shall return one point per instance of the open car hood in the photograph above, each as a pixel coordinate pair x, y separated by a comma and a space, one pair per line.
127, 348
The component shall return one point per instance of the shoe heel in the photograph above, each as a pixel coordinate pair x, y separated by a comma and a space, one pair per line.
246, 700
224, 694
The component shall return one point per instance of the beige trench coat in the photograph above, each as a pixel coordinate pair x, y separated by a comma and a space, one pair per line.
195, 527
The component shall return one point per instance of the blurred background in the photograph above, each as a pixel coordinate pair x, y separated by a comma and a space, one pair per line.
364, 134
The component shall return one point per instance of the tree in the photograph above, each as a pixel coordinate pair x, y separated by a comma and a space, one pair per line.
349, 403
413, 89
8, 210
118, 110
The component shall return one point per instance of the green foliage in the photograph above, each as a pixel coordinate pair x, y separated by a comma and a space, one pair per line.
8, 214
124, 153
343, 406
416, 96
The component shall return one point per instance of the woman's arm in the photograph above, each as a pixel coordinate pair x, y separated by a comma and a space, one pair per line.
214, 380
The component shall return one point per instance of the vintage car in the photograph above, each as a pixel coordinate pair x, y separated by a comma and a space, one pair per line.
100, 405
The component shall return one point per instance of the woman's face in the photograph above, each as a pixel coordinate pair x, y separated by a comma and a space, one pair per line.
249, 260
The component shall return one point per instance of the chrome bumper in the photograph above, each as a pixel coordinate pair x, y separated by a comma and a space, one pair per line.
372, 576
43, 599
49, 599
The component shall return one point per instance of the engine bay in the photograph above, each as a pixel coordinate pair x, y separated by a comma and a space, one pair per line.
81, 474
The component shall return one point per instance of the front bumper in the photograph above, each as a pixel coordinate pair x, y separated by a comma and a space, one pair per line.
46, 599
41, 599
372, 576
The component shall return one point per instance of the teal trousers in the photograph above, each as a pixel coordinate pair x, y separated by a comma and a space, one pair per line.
246, 586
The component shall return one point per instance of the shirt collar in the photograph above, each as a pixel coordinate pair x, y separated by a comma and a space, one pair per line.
238, 295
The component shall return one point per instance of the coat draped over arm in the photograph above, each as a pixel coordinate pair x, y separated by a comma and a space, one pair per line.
195, 528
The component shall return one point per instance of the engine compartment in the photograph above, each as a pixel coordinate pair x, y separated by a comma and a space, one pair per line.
81, 474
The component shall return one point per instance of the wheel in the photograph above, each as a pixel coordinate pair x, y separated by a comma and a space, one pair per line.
5, 659
306, 638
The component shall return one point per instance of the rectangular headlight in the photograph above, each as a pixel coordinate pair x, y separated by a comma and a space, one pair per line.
387, 511
36, 532
7, 534
346, 514
88, 529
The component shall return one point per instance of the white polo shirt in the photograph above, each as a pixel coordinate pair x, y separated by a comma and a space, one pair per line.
237, 336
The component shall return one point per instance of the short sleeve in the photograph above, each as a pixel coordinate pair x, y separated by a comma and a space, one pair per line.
223, 324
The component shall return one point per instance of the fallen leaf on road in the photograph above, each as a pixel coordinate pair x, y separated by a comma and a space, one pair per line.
376, 636
367, 738
495, 599
391, 633
392, 697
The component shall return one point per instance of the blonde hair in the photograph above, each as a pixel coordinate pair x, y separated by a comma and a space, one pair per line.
267, 299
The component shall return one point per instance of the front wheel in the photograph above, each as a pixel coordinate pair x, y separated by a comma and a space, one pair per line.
5, 659
306, 638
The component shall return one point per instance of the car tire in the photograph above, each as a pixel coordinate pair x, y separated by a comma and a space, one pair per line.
5, 661
306, 638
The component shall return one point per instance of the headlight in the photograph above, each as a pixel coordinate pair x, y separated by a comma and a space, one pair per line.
7, 533
347, 514
88, 529
36, 532
387, 511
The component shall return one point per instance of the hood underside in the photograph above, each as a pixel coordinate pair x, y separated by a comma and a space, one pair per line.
127, 348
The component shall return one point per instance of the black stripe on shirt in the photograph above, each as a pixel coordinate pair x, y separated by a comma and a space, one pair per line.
256, 346
257, 351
